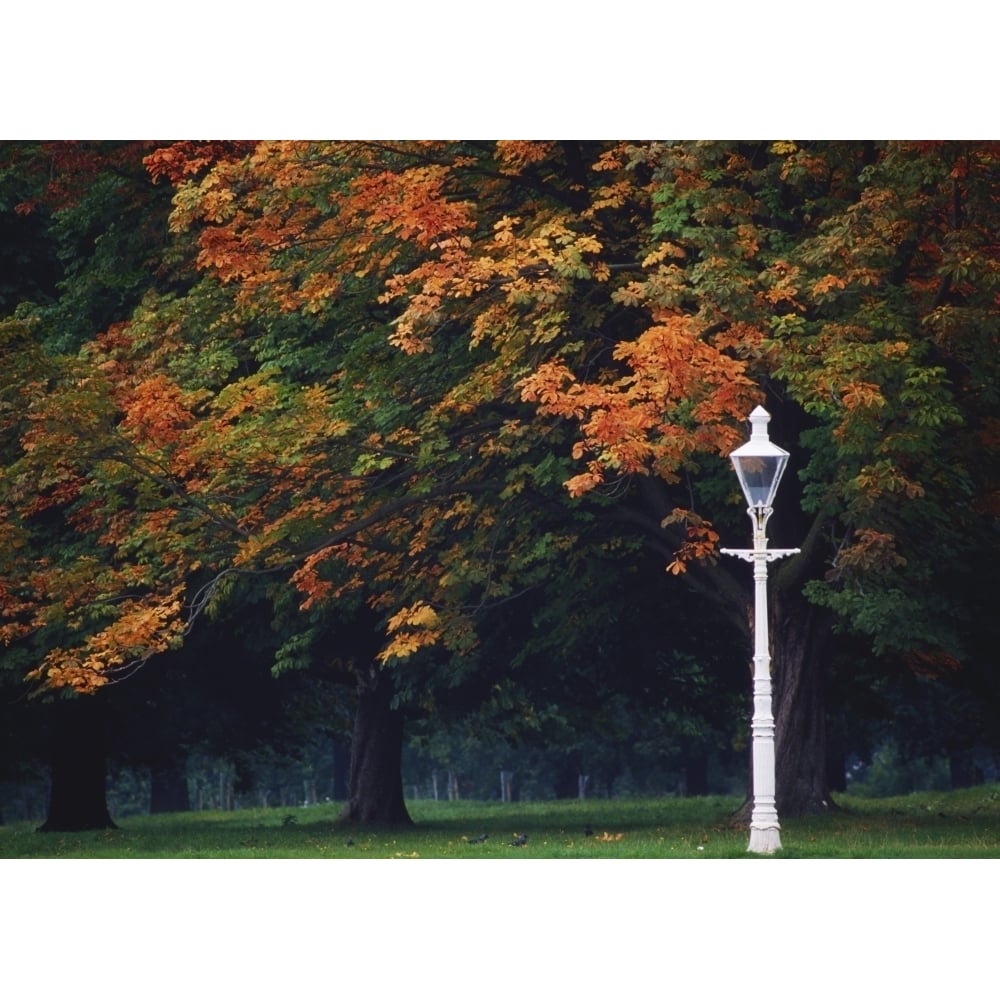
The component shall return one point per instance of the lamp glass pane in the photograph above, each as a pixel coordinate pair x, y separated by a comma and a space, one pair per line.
759, 476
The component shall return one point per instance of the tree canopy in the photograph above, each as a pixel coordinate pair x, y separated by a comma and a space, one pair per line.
431, 385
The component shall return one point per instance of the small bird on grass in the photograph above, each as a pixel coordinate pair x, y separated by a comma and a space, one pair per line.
520, 839
588, 831
481, 839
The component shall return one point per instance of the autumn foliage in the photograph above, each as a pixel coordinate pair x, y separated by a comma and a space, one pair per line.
412, 373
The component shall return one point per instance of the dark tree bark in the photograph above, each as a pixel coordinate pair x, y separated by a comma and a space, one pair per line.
78, 799
802, 781
375, 785
801, 774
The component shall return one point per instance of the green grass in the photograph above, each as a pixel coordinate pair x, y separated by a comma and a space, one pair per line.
961, 824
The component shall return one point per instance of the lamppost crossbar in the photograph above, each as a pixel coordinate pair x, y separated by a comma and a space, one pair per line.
769, 554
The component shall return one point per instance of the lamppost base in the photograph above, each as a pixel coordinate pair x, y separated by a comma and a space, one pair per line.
764, 840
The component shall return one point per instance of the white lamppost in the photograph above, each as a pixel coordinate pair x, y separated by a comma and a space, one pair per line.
759, 464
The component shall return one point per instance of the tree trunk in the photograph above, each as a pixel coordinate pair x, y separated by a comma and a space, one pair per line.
375, 785
798, 632
799, 636
78, 799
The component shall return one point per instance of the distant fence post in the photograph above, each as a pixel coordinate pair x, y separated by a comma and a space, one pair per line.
506, 786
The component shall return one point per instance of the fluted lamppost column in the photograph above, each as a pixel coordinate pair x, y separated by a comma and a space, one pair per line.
759, 465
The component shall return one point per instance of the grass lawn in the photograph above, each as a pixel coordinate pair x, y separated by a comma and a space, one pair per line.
960, 824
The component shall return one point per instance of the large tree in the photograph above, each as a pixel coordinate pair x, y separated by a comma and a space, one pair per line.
396, 354
82, 230
857, 280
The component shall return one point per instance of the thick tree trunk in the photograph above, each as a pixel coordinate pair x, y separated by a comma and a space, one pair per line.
375, 785
799, 635
798, 632
78, 799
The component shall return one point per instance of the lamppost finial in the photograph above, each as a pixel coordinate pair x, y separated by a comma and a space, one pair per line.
759, 419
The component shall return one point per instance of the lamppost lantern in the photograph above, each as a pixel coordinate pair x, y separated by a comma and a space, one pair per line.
759, 465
